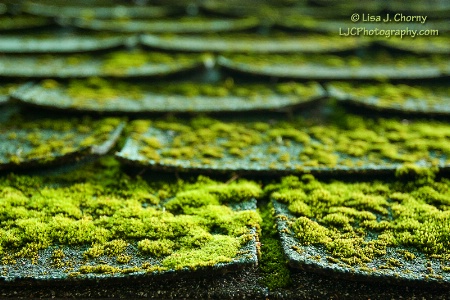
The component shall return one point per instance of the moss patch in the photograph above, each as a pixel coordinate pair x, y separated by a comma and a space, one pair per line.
399, 96
98, 94
380, 66
113, 216
44, 140
358, 224
344, 142
114, 64
121, 62
272, 262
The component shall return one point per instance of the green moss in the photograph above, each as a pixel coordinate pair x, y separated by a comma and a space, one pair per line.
54, 137
272, 262
420, 175
191, 199
99, 269
123, 259
407, 255
357, 222
58, 254
96, 94
220, 249
100, 89
94, 251
343, 141
112, 213
156, 248
394, 96
383, 58
118, 63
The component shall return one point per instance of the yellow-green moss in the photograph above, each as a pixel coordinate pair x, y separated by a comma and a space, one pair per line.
357, 222
120, 62
156, 248
342, 61
101, 207
272, 262
390, 95
343, 141
46, 139
220, 249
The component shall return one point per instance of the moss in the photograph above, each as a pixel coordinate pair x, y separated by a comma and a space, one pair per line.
401, 96
156, 248
407, 255
415, 173
152, 142
212, 152
311, 232
119, 62
185, 201
58, 254
236, 191
50, 84
272, 262
96, 94
99, 269
94, 251
115, 247
383, 58
220, 249
102, 90
57, 258
357, 222
54, 138
112, 213
344, 141
123, 259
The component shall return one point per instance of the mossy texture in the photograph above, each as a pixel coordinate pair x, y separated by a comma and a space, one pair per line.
180, 25
399, 97
398, 229
99, 220
24, 141
97, 94
252, 43
380, 66
272, 262
114, 64
343, 143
